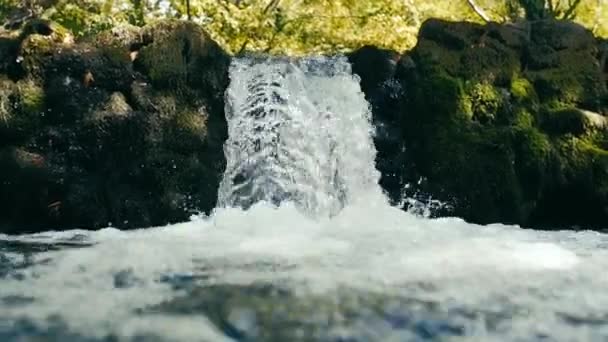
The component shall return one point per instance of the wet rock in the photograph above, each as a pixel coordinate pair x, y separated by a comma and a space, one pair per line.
376, 68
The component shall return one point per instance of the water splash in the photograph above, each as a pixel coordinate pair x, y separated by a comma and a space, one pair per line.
299, 131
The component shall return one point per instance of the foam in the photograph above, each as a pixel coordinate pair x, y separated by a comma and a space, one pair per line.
371, 247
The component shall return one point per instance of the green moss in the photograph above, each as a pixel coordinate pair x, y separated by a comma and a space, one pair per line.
486, 102
115, 106
34, 50
522, 91
576, 80
117, 42
31, 97
6, 103
448, 97
432, 53
523, 118
193, 122
187, 129
500, 141
579, 160
166, 104
20, 107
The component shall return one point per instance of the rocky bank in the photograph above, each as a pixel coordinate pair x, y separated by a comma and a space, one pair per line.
124, 129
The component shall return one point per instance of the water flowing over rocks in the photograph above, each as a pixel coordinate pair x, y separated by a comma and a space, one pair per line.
503, 123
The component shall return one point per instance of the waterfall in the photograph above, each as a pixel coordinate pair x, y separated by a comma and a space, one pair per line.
299, 132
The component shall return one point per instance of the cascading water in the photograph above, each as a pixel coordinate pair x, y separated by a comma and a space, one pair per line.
299, 131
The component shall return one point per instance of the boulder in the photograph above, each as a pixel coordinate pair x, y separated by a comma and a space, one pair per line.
97, 133
178, 53
505, 123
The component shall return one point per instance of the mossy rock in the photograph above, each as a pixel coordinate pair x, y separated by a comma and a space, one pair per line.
576, 80
578, 195
127, 37
42, 27
87, 141
523, 92
31, 97
501, 140
39, 41
452, 35
432, 54
33, 53
486, 102
188, 129
116, 106
489, 61
43, 58
178, 54
561, 35
21, 109
69, 100
467, 50
573, 121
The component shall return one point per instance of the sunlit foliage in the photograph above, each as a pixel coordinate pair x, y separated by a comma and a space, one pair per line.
304, 26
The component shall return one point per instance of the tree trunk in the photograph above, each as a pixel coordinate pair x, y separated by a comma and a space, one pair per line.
479, 11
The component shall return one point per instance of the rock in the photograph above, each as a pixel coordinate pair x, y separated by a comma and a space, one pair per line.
26, 195
374, 66
87, 141
573, 121
115, 106
126, 37
594, 121
38, 26
505, 126
376, 69
9, 46
178, 53
21, 107
561, 35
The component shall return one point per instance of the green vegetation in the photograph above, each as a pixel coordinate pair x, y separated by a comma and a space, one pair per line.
295, 26
504, 141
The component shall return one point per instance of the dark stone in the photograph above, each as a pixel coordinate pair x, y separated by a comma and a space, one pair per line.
377, 70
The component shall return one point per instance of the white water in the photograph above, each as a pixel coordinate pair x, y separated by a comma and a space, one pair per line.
298, 131
496, 282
